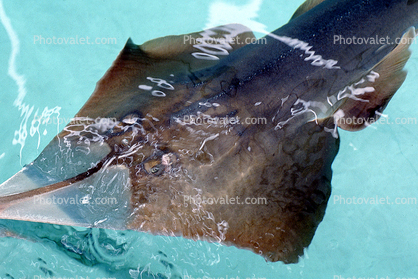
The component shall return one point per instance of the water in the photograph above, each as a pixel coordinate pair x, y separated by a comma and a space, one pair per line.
354, 240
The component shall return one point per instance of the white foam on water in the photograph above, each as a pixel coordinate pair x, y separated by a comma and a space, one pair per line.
25, 109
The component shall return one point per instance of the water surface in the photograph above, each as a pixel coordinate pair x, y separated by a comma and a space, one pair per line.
361, 240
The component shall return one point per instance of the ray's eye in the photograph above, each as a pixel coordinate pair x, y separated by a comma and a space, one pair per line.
157, 169
154, 167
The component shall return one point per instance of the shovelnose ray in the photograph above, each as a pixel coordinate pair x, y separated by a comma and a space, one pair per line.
211, 136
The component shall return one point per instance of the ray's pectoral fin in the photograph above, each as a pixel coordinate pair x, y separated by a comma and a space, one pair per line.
367, 98
295, 180
82, 177
158, 75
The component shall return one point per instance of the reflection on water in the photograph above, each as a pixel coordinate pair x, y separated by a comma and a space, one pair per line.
116, 252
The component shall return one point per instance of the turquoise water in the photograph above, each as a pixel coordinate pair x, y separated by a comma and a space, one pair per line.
354, 240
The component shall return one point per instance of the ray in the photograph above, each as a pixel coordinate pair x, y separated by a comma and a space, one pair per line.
219, 136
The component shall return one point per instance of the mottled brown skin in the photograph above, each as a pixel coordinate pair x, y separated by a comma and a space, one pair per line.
295, 184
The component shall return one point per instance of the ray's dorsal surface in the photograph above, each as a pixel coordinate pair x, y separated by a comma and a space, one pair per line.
220, 139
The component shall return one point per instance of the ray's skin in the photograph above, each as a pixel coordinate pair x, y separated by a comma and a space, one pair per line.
166, 131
